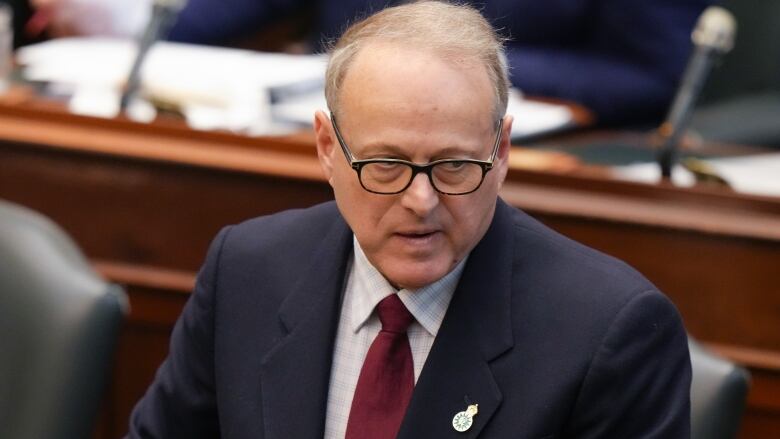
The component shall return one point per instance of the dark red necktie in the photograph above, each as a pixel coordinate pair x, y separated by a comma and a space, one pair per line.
386, 379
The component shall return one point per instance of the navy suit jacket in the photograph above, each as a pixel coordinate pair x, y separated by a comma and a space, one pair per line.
550, 338
622, 59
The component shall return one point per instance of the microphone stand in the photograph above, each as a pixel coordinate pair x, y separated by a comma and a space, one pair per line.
162, 19
712, 37
681, 111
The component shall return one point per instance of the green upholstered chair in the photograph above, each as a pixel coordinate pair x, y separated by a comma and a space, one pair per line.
59, 323
718, 394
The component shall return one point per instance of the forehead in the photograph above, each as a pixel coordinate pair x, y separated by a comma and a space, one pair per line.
393, 90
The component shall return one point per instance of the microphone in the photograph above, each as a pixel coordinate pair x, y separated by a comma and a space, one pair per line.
712, 37
163, 16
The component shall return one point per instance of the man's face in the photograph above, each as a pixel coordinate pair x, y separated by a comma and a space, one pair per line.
396, 102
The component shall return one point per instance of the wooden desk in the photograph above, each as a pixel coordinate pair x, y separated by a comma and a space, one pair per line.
145, 200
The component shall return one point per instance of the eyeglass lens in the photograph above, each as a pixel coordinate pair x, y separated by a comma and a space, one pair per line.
448, 177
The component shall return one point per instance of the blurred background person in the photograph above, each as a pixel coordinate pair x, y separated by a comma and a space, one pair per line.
22, 13
93, 17
37, 20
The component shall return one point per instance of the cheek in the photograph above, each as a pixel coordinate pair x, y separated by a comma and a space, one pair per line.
363, 211
471, 217
493, 182
346, 188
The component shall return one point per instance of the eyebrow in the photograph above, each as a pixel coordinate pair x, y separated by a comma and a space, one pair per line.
381, 150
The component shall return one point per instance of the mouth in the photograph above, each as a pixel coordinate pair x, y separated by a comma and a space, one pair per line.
419, 236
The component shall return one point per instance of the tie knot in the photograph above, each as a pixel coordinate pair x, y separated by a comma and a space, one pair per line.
394, 315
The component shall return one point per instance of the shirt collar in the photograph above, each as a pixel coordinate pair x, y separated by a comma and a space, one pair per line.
428, 304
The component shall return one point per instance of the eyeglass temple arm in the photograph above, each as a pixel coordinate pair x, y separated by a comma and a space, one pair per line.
342, 144
498, 141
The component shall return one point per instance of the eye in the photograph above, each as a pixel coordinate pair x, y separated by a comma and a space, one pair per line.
384, 172
386, 166
451, 166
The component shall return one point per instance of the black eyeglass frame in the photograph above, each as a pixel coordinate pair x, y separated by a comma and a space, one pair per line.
427, 168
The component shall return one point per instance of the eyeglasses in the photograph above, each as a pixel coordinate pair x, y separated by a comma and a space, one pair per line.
393, 176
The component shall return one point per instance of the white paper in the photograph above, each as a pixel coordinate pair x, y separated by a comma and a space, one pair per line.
222, 88
533, 118
757, 174
218, 87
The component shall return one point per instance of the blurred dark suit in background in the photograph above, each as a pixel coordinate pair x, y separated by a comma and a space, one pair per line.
620, 59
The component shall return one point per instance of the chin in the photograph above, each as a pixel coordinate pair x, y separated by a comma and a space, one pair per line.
417, 275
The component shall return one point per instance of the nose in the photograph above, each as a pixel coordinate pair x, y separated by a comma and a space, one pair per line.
420, 197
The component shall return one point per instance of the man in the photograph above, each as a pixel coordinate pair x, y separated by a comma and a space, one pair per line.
419, 303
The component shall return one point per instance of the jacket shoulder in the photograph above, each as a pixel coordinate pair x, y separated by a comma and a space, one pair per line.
291, 231
576, 266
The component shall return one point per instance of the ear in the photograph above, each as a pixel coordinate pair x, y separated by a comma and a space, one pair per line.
504, 147
326, 143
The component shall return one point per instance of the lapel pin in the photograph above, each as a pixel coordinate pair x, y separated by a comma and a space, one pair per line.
463, 420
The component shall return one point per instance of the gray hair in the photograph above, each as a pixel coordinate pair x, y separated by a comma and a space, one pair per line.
453, 31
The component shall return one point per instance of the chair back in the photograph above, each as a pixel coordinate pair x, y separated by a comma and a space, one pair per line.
718, 394
59, 322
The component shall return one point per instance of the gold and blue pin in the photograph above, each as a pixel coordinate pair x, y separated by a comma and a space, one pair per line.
465, 419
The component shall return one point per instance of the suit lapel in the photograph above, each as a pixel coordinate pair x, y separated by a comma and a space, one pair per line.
295, 374
476, 329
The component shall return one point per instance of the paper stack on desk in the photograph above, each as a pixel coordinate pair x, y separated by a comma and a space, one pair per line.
753, 174
215, 88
